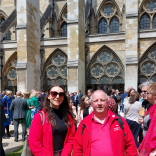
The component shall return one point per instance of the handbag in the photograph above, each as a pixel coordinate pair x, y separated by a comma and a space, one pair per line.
7, 115
26, 149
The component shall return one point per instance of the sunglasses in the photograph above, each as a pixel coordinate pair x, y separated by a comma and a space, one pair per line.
143, 91
54, 94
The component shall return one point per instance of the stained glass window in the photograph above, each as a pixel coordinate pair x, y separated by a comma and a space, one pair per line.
118, 80
52, 72
97, 70
145, 22
60, 81
154, 22
112, 69
153, 54
105, 80
114, 25
105, 57
142, 80
108, 10
9, 83
12, 74
64, 71
148, 68
8, 36
59, 59
64, 30
102, 26
2, 21
151, 4
48, 82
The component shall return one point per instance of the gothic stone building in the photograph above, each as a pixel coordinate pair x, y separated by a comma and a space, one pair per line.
77, 43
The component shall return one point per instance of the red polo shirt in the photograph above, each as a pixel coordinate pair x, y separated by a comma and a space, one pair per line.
101, 140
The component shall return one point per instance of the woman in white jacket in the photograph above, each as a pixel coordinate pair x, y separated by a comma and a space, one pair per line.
84, 109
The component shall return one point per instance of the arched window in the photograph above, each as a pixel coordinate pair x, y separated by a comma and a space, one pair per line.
2, 21
102, 26
64, 30
8, 36
114, 25
154, 22
145, 22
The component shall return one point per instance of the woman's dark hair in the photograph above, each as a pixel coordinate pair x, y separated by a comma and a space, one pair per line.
82, 104
134, 96
64, 108
128, 95
106, 90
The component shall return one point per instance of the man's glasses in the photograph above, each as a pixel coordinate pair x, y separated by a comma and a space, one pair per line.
54, 94
144, 91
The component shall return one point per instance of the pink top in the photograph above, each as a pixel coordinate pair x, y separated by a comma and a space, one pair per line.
101, 140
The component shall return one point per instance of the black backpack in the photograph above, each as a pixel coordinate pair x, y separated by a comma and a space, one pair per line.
118, 120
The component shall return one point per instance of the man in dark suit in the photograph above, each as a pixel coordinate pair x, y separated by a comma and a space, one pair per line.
19, 106
2, 129
79, 96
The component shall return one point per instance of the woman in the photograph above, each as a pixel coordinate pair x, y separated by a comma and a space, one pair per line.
7, 103
131, 109
34, 98
31, 106
55, 137
148, 145
84, 109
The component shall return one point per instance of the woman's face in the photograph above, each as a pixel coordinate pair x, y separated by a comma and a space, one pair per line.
150, 97
86, 101
56, 97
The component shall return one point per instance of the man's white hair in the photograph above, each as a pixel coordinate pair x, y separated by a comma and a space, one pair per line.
147, 83
99, 90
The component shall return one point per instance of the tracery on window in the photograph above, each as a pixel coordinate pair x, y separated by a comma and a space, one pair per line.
108, 19
63, 23
56, 69
147, 66
147, 15
105, 68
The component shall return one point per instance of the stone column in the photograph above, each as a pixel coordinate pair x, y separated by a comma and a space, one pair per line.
76, 46
131, 38
1, 68
28, 45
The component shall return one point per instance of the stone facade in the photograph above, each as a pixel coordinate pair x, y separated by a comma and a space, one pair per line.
85, 43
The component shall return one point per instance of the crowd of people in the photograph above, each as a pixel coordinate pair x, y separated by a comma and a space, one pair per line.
103, 122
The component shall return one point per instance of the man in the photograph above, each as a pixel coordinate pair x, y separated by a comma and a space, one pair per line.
143, 88
2, 95
19, 106
75, 99
42, 95
2, 129
89, 93
79, 96
100, 134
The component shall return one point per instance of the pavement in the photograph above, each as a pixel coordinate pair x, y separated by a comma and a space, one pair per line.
10, 145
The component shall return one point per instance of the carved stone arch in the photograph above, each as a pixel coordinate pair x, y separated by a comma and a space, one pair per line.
112, 18
55, 68
147, 64
105, 64
3, 14
63, 11
108, 1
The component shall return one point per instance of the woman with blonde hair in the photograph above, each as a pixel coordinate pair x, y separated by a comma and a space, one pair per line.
34, 98
84, 109
7, 103
31, 106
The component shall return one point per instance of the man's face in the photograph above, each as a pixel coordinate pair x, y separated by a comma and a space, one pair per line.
144, 92
89, 93
117, 92
99, 102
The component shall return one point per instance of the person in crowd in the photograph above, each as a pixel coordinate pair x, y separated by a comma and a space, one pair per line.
2, 128
72, 108
75, 100
84, 109
145, 103
2, 95
113, 95
126, 92
112, 105
126, 99
148, 145
79, 96
143, 88
89, 93
56, 135
34, 98
19, 106
42, 96
7, 103
131, 109
31, 106
100, 134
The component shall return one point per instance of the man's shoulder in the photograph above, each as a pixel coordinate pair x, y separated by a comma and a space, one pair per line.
87, 120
